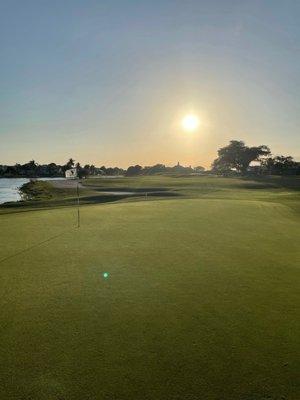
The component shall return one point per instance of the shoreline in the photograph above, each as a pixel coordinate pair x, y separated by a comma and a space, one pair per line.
10, 187
32, 177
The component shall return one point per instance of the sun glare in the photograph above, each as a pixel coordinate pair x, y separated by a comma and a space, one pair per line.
190, 122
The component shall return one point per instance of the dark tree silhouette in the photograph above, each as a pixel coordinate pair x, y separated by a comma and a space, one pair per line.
281, 165
238, 156
199, 169
134, 170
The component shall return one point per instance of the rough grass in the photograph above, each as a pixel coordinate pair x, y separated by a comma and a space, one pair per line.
200, 303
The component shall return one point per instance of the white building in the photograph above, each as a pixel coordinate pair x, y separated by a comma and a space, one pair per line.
71, 173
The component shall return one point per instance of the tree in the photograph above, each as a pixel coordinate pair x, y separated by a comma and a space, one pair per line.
112, 171
281, 165
103, 169
199, 169
87, 169
134, 170
53, 169
18, 169
81, 172
155, 169
238, 156
92, 169
70, 164
30, 168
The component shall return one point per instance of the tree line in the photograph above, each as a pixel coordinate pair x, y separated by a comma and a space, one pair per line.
235, 158
33, 169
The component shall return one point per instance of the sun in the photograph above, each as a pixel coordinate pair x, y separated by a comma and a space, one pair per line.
190, 122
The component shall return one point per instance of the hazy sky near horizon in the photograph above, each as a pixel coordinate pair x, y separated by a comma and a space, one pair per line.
107, 82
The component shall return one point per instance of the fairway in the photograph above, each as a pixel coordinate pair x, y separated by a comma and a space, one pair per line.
199, 302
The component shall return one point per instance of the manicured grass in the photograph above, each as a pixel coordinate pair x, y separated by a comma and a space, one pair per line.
200, 301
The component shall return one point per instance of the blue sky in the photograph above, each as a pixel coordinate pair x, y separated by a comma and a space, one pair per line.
107, 82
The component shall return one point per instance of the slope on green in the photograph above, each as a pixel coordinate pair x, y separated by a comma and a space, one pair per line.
200, 301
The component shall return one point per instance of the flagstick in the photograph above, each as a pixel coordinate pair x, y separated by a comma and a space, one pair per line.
78, 213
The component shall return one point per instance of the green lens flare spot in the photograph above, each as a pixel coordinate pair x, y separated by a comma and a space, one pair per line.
105, 275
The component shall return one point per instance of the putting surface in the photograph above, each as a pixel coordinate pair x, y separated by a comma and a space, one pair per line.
200, 301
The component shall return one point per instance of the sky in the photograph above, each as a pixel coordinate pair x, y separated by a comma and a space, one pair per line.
108, 81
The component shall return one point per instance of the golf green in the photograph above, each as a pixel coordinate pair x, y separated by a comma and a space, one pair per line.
182, 299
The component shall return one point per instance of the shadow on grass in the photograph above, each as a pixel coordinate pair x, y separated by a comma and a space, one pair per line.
133, 190
272, 182
36, 205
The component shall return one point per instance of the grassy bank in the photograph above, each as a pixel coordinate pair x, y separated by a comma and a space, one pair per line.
38, 190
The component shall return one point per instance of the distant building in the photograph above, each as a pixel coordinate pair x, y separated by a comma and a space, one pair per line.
71, 173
